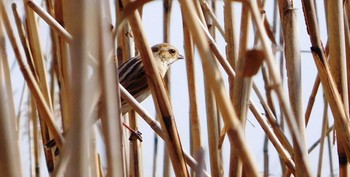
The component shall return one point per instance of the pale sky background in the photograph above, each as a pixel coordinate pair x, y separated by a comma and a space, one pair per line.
152, 20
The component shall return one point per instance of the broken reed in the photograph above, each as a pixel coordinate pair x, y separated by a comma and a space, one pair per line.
72, 26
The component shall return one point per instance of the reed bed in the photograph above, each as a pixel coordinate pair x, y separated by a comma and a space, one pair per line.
245, 102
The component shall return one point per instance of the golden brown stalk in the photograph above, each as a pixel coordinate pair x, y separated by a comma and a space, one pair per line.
50, 21
242, 84
9, 149
111, 121
322, 138
337, 66
167, 5
293, 65
81, 89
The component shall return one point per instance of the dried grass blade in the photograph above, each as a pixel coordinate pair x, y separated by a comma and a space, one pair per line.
50, 21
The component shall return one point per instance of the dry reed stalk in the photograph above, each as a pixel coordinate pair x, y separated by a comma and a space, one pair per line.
7, 78
43, 110
94, 170
111, 121
125, 50
34, 43
293, 65
10, 157
231, 40
317, 142
155, 125
311, 100
322, 138
212, 122
8, 135
207, 10
195, 128
167, 4
347, 42
80, 90
60, 57
284, 150
242, 84
330, 153
24, 40
285, 106
171, 136
50, 21
266, 157
136, 166
314, 91
192, 91
272, 111
195, 121
212, 75
40, 67
337, 66
212, 113
333, 97
33, 116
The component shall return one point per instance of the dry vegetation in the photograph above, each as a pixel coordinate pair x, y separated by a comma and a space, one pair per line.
61, 99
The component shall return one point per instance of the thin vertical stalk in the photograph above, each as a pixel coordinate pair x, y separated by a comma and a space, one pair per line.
167, 5
231, 40
293, 65
337, 65
34, 117
77, 137
195, 128
329, 143
136, 168
210, 103
323, 136
10, 157
347, 43
266, 156
24, 40
111, 121
242, 85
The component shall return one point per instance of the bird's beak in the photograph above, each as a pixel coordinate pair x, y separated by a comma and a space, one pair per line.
180, 56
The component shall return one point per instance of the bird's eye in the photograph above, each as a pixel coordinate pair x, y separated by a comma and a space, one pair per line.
172, 51
155, 49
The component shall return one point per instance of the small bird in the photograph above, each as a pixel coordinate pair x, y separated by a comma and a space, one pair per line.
132, 74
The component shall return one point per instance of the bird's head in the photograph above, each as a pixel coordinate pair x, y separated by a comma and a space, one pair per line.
165, 54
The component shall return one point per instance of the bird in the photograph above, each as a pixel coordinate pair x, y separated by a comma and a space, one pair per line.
133, 78
132, 74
